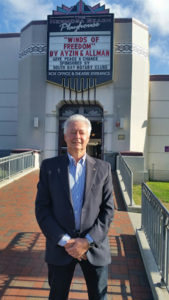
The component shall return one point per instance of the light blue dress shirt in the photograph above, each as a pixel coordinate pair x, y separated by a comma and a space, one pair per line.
77, 176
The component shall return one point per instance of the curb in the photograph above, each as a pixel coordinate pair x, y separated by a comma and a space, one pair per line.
152, 271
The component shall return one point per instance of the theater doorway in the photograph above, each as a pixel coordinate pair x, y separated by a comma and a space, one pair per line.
95, 114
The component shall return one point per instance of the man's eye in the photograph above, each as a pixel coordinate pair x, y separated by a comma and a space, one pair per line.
80, 132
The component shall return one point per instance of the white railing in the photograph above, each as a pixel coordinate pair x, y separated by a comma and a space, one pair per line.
127, 177
16, 163
155, 223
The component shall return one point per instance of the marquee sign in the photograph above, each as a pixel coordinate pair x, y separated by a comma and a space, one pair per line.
80, 50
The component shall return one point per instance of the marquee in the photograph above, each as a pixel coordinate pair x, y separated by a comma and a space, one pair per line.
80, 49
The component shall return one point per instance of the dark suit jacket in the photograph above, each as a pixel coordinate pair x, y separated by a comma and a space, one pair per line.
54, 210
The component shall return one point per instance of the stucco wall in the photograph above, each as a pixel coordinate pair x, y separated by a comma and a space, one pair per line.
158, 159
131, 85
9, 49
32, 86
122, 84
140, 87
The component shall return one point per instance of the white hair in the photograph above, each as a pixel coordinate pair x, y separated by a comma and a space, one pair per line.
77, 117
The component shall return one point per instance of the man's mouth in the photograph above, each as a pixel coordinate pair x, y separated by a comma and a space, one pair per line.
76, 142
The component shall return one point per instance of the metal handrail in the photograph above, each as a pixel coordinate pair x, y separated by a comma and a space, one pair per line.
127, 177
16, 163
155, 223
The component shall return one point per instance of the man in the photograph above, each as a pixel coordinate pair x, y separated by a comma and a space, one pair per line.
74, 208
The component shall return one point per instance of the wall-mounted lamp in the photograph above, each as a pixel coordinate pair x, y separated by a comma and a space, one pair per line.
36, 122
120, 123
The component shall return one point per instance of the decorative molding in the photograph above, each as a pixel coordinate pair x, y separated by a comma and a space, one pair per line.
9, 35
140, 50
34, 49
120, 48
159, 77
81, 8
129, 48
41, 22
51, 115
10, 78
131, 20
123, 20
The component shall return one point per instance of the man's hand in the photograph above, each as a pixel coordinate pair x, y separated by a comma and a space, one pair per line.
77, 248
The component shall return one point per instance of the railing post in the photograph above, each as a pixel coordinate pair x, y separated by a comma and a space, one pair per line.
9, 174
164, 252
167, 254
131, 190
142, 205
22, 162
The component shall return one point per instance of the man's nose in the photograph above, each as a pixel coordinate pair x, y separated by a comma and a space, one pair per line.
77, 134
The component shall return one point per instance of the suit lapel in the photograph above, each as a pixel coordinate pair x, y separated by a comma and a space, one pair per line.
91, 171
62, 171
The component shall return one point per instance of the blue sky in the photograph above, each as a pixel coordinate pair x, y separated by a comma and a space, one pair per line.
15, 14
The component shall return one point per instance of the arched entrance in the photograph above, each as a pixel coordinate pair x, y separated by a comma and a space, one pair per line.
95, 114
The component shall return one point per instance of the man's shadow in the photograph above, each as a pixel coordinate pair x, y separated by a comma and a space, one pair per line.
22, 265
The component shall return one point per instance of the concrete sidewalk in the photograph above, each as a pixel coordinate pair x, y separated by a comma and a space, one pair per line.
23, 273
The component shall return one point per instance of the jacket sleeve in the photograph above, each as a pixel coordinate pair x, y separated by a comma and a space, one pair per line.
43, 209
101, 226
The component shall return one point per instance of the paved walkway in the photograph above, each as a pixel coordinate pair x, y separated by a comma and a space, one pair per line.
23, 273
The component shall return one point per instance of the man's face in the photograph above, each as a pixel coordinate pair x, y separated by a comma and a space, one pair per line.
77, 136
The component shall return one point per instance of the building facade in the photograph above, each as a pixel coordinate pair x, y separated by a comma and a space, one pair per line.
128, 113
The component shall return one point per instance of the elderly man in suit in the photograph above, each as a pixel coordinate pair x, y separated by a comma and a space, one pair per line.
74, 209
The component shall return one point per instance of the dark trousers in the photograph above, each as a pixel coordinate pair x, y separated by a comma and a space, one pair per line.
60, 278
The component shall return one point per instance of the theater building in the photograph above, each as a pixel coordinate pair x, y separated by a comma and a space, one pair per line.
83, 59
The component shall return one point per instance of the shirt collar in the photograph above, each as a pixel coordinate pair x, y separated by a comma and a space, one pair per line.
72, 160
